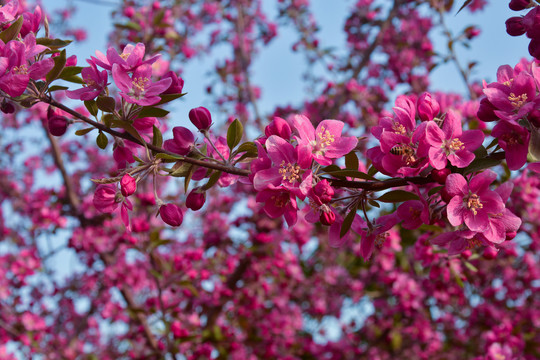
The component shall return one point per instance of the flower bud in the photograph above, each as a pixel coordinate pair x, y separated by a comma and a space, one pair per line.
279, 127
105, 198
57, 125
322, 192
196, 199
182, 142
201, 118
490, 253
328, 218
466, 254
440, 175
128, 185
428, 107
445, 196
514, 26
486, 111
171, 214
510, 235
518, 5
7, 107
177, 83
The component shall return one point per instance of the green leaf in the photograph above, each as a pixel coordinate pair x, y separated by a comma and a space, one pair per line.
57, 87
129, 128
102, 140
157, 139
165, 98
84, 131
12, 31
212, 180
493, 143
347, 222
397, 196
130, 25
108, 119
247, 147
374, 203
351, 161
180, 169
168, 156
91, 106
151, 111
234, 134
59, 64
470, 266
352, 173
106, 103
372, 171
74, 79
70, 71
187, 179
53, 44
481, 152
435, 190
481, 164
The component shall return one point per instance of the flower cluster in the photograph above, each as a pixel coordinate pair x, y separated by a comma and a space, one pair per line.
409, 147
528, 24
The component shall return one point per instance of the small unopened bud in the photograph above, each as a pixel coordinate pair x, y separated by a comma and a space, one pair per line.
518, 5
57, 125
515, 27
279, 127
322, 192
466, 254
171, 214
446, 197
328, 218
428, 107
440, 175
196, 199
510, 235
128, 185
7, 107
490, 253
201, 118
486, 111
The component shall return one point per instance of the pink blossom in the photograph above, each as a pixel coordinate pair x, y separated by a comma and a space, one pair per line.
95, 84
139, 89
277, 202
182, 141
472, 202
290, 167
514, 139
130, 59
326, 142
128, 185
9, 11
451, 143
105, 198
171, 214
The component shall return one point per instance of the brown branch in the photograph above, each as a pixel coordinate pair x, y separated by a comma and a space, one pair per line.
215, 166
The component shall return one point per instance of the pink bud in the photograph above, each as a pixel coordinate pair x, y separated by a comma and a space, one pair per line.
490, 253
428, 107
105, 198
518, 5
7, 108
510, 235
171, 214
486, 111
466, 254
322, 192
279, 127
328, 218
446, 197
57, 125
196, 199
515, 27
128, 185
440, 175
182, 142
201, 118
177, 83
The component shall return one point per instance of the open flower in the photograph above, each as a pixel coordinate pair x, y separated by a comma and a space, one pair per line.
95, 83
325, 141
139, 89
473, 202
130, 58
451, 143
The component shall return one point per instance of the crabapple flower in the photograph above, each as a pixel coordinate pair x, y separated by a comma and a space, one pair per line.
9, 11
182, 141
139, 89
95, 84
171, 214
413, 213
105, 198
130, 59
177, 83
326, 142
472, 202
290, 167
514, 140
451, 143
428, 107
128, 185
277, 202
201, 118
279, 127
